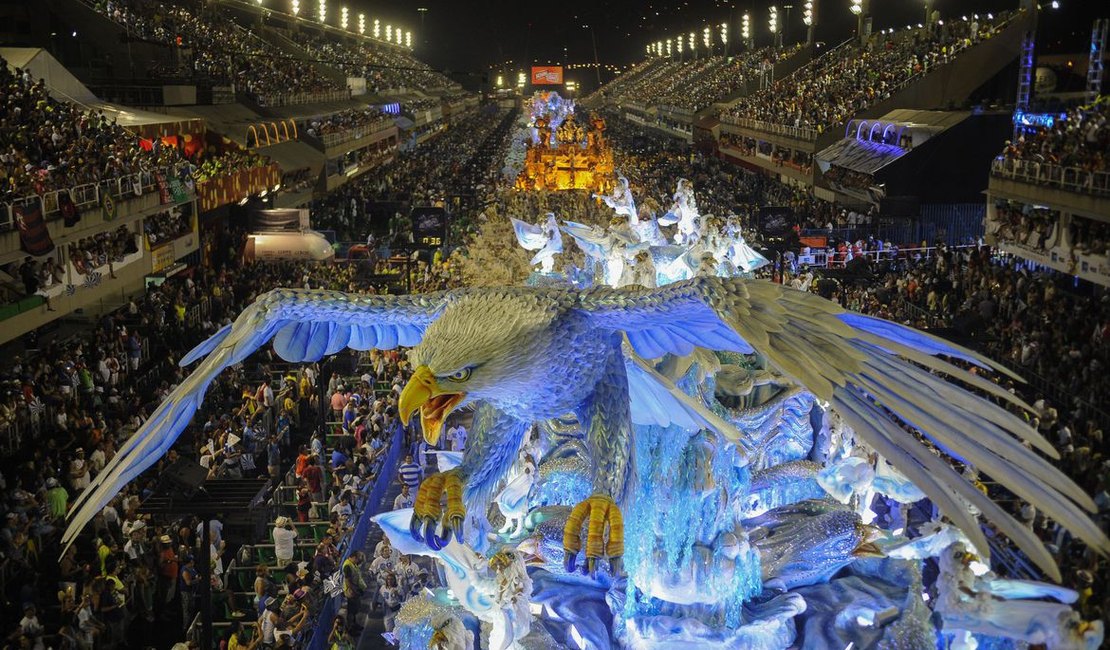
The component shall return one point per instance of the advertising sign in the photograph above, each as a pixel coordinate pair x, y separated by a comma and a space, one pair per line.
547, 75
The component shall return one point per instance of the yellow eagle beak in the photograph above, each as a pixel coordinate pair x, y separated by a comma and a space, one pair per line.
423, 392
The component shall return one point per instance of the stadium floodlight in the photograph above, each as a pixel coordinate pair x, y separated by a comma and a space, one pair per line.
746, 27
296, 7
343, 18
520, 80
259, 2
724, 33
807, 13
500, 81
408, 40
377, 28
856, 7
389, 33
670, 42
362, 24
322, 11
648, 49
773, 19
707, 37
679, 42
692, 43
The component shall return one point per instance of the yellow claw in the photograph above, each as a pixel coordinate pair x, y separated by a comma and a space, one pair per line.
428, 509
602, 512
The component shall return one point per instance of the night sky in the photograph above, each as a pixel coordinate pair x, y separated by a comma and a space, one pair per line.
467, 38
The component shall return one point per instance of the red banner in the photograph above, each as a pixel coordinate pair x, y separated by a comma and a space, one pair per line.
236, 186
547, 75
814, 241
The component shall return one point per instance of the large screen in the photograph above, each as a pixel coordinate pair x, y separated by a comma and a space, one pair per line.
547, 75
429, 226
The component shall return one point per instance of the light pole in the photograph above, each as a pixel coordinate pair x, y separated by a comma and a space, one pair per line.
809, 17
783, 38
597, 61
862, 10
773, 25
422, 11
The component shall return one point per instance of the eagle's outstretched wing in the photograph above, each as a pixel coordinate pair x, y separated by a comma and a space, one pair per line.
305, 326
883, 378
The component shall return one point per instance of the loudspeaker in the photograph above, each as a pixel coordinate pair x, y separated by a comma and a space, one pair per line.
184, 477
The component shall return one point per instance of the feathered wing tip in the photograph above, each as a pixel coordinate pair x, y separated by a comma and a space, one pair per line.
311, 323
862, 367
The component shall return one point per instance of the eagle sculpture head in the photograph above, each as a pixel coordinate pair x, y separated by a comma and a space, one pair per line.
493, 347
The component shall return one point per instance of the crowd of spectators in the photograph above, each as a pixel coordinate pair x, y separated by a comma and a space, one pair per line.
46, 144
81, 397
167, 226
104, 248
384, 67
221, 51
698, 82
426, 175
831, 89
1079, 139
350, 119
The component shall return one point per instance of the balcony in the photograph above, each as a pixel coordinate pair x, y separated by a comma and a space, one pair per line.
132, 195
1070, 189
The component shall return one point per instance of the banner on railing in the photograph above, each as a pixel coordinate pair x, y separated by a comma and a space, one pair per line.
107, 206
34, 238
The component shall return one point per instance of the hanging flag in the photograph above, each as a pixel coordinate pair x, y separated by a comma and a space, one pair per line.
107, 205
163, 188
70, 214
92, 279
137, 185
177, 191
34, 238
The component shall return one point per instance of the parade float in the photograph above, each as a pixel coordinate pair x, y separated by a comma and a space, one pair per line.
561, 152
683, 459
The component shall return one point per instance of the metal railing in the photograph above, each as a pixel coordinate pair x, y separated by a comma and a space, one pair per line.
296, 99
1072, 179
83, 196
796, 132
355, 133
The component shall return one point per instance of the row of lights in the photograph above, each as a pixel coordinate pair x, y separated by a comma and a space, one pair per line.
667, 47
396, 36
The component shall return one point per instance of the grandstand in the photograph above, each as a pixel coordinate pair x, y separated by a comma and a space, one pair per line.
889, 172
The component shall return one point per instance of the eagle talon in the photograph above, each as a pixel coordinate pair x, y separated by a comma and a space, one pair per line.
434, 541
600, 511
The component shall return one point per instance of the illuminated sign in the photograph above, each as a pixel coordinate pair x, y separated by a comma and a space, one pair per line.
1037, 120
547, 75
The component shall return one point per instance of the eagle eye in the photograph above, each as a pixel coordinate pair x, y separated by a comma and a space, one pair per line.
460, 375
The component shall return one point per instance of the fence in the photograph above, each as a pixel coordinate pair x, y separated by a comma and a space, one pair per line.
948, 222
368, 508
294, 99
796, 132
355, 133
83, 196
1072, 179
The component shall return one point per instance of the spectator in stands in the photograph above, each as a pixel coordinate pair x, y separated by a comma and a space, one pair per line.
405, 499
354, 586
409, 473
285, 536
